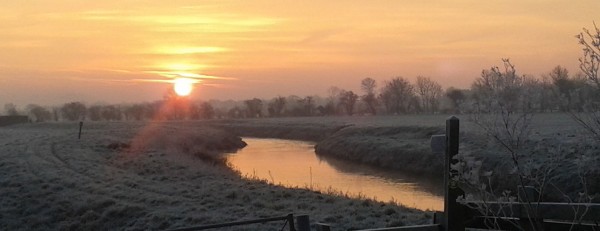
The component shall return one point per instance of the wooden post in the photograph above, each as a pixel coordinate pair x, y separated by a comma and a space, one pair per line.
529, 211
80, 126
454, 217
303, 222
290, 221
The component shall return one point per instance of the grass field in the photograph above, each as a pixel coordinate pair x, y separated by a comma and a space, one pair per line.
138, 176
147, 176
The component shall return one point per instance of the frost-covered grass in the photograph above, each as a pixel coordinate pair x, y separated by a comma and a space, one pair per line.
404, 148
138, 176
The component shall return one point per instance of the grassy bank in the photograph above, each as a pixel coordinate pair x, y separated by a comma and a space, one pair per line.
401, 148
391, 142
138, 176
403, 143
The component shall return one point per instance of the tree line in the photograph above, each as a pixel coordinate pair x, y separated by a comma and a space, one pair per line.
556, 91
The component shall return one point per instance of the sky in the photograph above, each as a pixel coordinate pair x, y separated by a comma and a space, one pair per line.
53, 52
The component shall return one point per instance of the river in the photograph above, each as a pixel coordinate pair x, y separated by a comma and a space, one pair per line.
295, 164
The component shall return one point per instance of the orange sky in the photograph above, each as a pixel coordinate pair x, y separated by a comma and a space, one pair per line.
98, 51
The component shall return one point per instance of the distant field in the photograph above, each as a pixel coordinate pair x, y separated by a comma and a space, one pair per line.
545, 123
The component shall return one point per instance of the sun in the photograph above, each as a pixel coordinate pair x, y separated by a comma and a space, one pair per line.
183, 86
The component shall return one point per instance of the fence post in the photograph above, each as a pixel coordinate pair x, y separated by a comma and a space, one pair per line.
290, 221
529, 210
80, 126
303, 222
454, 217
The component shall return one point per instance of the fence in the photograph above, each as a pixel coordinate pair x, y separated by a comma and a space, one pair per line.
302, 221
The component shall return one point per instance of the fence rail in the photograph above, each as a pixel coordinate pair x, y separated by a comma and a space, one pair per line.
289, 219
545, 210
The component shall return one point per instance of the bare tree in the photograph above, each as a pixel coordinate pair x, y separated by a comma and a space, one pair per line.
499, 95
277, 106
254, 107
348, 100
137, 111
74, 111
547, 97
307, 106
563, 86
38, 113
111, 113
589, 115
457, 97
504, 112
95, 112
207, 111
368, 85
429, 92
590, 62
499, 88
396, 95
333, 97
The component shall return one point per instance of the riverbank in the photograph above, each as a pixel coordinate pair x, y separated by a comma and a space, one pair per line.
403, 143
140, 176
384, 141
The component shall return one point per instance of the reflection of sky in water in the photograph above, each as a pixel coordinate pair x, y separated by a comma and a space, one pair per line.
294, 163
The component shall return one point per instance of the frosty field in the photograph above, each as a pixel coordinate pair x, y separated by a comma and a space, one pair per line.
151, 175
138, 176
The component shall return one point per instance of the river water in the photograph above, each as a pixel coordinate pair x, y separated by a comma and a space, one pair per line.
295, 164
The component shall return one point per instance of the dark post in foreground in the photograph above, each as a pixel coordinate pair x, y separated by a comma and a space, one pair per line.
303, 222
80, 126
454, 212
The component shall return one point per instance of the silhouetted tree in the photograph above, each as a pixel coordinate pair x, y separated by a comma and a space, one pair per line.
73, 111
348, 100
207, 111
332, 106
277, 106
368, 85
38, 113
547, 100
235, 112
563, 84
111, 113
396, 95
94, 113
254, 107
307, 106
457, 97
194, 111
136, 111
429, 92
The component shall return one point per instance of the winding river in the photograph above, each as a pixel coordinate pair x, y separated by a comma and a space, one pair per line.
295, 164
